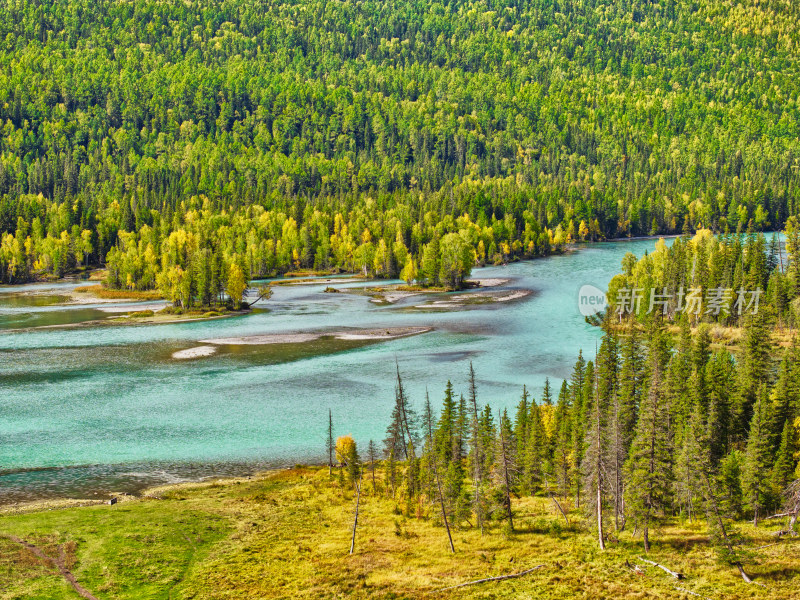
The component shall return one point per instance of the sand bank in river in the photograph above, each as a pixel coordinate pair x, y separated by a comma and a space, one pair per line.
464, 300
126, 308
299, 338
195, 352
391, 295
488, 282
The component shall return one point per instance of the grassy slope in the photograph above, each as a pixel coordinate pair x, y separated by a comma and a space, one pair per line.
287, 536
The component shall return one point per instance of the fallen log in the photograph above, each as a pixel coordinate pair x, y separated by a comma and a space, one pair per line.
635, 568
691, 593
665, 569
488, 580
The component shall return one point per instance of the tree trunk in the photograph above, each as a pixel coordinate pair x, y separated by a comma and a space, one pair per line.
330, 443
355, 519
600, 535
439, 488
505, 475
476, 448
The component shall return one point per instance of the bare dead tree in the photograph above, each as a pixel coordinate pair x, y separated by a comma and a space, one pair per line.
792, 505
331, 443
372, 456
358, 499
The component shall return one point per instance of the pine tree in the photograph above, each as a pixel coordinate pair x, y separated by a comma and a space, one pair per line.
534, 454
577, 392
594, 461
433, 458
678, 374
720, 384
445, 434
476, 450
785, 464
563, 440
547, 394
649, 468
428, 449
506, 466
616, 436
757, 461
730, 485
521, 422
687, 482
449, 448
724, 537
753, 372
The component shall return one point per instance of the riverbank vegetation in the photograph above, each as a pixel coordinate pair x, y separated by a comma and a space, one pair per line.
173, 140
289, 533
723, 280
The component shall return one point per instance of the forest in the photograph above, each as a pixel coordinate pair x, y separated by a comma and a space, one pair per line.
664, 424
722, 280
173, 140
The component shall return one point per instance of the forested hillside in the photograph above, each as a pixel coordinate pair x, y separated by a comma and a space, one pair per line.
255, 130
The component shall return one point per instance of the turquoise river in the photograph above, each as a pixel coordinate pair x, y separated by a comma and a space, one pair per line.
90, 410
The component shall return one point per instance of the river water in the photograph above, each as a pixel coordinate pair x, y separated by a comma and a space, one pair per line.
90, 410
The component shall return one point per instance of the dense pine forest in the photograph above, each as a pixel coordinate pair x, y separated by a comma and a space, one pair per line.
183, 141
724, 280
665, 424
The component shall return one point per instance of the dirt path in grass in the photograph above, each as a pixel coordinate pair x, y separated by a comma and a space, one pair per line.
59, 564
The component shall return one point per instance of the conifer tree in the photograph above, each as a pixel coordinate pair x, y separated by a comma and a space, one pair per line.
649, 468
563, 440
724, 537
687, 483
720, 384
433, 457
757, 460
783, 470
476, 450
428, 450
616, 436
678, 374
577, 391
445, 434
730, 484
449, 448
521, 422
753, 372
534, 455
488, 434
506, 466
547, 394
594, 461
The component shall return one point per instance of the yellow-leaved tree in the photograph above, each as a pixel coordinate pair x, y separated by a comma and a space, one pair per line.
236, 285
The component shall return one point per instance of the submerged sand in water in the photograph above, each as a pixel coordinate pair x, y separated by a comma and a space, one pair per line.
299, 338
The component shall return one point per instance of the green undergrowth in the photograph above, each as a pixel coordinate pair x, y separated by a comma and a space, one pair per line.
287, 535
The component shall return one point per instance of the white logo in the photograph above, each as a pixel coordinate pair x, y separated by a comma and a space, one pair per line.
591, 300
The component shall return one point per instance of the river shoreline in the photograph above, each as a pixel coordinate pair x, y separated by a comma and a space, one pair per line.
79, 396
